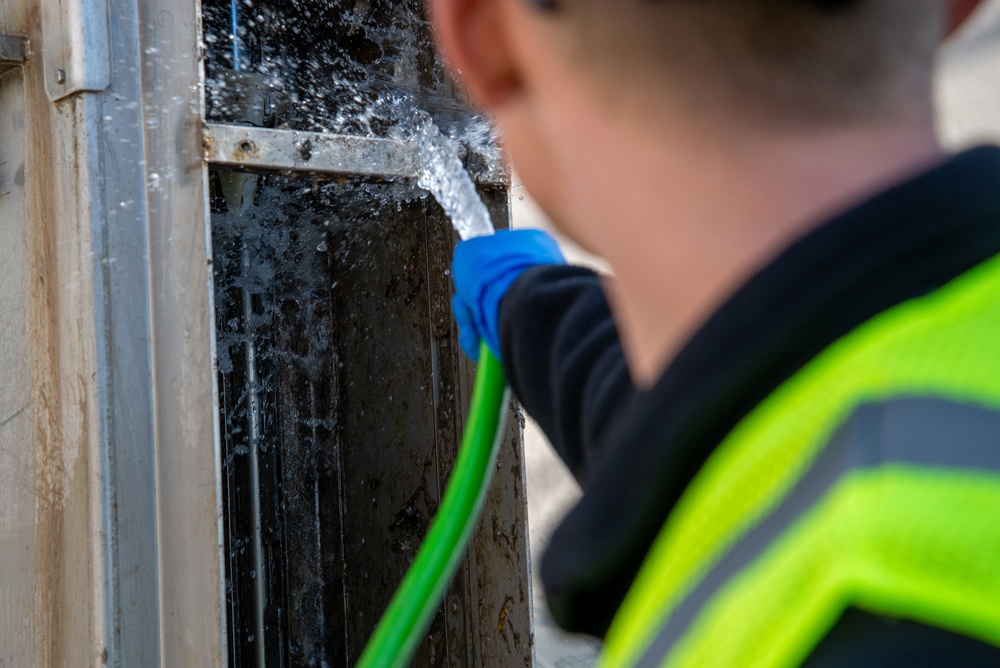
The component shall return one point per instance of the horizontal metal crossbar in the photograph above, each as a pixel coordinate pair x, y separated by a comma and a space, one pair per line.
12, 51
264, 149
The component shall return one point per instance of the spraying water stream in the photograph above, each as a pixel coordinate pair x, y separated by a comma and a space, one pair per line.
444, 176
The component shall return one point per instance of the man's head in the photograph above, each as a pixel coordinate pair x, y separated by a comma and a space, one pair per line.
806, 62
688, 140
779, 62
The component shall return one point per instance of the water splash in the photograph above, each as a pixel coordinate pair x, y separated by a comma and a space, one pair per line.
442, 174
310, 260
358, 68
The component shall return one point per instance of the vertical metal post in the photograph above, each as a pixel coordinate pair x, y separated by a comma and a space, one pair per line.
110, 520
186, 447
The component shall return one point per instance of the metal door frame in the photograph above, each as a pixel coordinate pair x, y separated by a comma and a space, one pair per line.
124, 401
125, 439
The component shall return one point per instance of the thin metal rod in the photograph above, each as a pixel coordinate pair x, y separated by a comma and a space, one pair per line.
256, 438
259, 576
234, 29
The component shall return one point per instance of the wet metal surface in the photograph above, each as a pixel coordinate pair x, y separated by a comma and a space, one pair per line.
188, 539
321, 153
340, 431
361, 390
313, 152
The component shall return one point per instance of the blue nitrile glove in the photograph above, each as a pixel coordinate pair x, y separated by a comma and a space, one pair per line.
483, 269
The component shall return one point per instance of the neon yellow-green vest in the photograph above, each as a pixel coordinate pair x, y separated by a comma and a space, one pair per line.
871, 478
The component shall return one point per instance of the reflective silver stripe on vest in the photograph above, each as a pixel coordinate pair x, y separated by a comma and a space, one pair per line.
926, 431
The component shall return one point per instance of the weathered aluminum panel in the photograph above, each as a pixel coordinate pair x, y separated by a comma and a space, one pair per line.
65, 562
97, 570
17, 410
185, 436
107, 474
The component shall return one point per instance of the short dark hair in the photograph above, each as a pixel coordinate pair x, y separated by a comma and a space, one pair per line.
811, 61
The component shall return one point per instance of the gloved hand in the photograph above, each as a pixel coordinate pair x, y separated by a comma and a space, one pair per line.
483, 270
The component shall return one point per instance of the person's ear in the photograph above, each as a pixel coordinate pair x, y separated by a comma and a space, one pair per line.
472, 36
958, 12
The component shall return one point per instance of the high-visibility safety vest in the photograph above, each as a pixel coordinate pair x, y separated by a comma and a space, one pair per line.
870, 478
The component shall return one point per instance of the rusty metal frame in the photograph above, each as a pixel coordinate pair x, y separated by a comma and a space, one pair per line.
13, 51
265, 149
313, 152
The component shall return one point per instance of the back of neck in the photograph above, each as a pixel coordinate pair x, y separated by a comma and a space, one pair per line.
684, 222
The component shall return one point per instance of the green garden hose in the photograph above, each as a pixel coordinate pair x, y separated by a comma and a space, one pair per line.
405, 622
